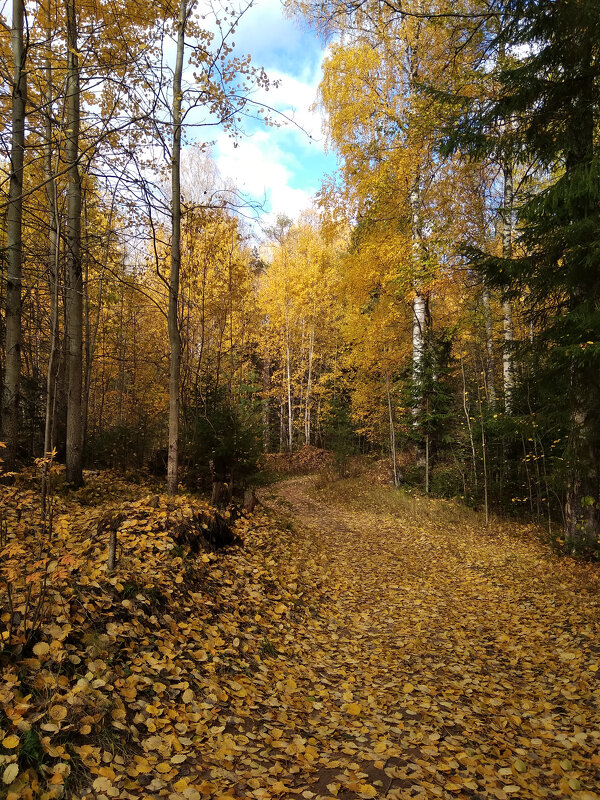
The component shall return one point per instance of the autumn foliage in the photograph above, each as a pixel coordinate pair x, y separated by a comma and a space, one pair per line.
412, 362
373, 650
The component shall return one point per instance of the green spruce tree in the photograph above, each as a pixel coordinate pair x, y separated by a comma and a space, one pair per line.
545, 111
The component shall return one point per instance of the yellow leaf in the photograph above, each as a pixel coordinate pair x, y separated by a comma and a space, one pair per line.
408, 688
556, 767
58, 713
10, 773
10, 742
41, 649
564, 787
107, 772
101, 784
354, 708
366, 790
163, 767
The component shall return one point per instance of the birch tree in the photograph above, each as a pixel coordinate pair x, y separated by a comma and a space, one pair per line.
74, 320
14, 241
174, 341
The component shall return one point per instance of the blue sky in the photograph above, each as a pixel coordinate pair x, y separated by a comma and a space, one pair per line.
284, 165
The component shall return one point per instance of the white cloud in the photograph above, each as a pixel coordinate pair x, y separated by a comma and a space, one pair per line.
281, 166
264, 26
295, 98
257, 166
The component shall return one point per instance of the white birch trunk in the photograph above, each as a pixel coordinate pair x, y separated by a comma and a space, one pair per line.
174, 339
418, 336
419, 301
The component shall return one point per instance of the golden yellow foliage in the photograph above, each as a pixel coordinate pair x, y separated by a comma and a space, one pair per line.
361, 651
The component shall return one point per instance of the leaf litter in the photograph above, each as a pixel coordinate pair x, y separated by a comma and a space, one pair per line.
341, 652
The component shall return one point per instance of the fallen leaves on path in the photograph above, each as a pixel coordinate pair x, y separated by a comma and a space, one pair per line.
350, 654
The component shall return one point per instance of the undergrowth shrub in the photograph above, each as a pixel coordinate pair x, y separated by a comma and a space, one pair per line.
339, 434
126, 446
34, 562
446, 481
222, 443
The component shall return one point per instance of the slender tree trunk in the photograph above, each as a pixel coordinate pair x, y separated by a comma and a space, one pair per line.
419, 320
53, 264
281, 422
174, 339
87, 329
467, 412
392, 429
319, 433
419, 301
507, 355
14, 241
288, 382
289, 396
484, 459
74, 274
489, 347
112, 550
265, 403
418, 341
418, 337
92, 330
311, 346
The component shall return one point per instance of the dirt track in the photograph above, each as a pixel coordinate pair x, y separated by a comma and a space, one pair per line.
450, 662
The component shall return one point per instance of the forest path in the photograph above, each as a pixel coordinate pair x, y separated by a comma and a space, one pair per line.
443, 660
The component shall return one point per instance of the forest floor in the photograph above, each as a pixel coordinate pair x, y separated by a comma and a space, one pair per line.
360, 644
